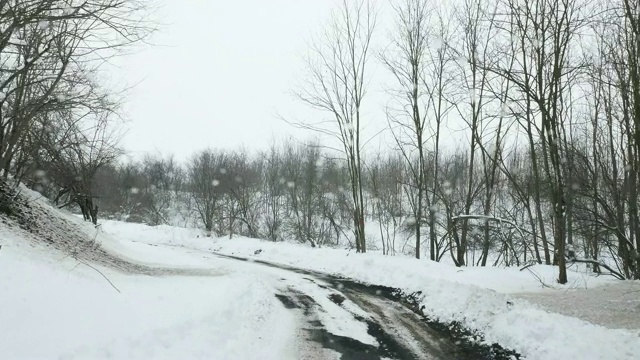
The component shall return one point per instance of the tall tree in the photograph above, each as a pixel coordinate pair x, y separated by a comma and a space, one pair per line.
336, 83
405, 58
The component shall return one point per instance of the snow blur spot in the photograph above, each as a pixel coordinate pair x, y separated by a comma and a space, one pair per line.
291, 184
535, 43
215, 182
134, 190
436, 43
368, 262
68, 10
504, 109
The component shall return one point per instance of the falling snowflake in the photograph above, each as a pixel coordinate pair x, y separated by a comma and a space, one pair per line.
44, 24
535, 43
215, 182
291, 184
134, 190
18, 41
504, 109
436, 43
69, 10
473, 96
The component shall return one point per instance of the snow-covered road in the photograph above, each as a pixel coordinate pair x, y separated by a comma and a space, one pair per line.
319, 317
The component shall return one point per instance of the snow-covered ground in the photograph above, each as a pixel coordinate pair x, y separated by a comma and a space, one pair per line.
483, 299
61, 304
165, 303
55, 307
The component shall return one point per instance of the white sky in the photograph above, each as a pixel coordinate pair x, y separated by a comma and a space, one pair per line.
219, 74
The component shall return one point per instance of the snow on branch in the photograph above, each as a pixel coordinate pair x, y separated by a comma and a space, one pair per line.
487, 218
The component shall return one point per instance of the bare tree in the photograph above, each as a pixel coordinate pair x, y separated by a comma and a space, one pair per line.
206, 172
72, 156
405, 58
43, 45
543, 32
336, 83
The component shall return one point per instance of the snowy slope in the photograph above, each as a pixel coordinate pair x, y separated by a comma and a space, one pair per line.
477, 297
54, 307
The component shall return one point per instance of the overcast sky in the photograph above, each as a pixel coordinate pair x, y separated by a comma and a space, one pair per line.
218, 74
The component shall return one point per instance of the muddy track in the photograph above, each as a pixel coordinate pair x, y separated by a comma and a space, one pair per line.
397, 322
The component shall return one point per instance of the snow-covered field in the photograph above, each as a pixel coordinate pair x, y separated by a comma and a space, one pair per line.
55, 305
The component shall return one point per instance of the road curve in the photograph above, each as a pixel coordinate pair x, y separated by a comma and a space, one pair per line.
398, 332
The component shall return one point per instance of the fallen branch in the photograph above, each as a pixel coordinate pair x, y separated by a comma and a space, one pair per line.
528, 266
612, 272
538, 278
103, 275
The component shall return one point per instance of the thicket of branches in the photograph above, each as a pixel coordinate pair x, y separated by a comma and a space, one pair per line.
57, 124
547, 96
